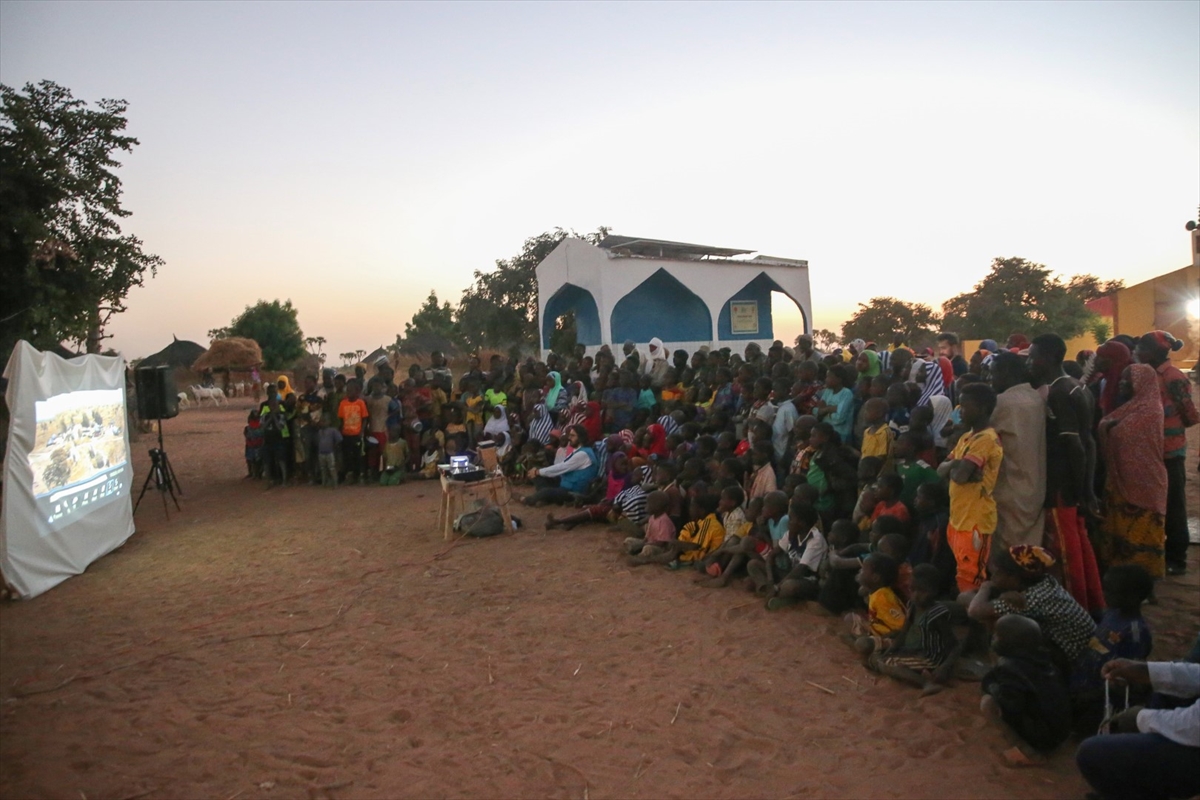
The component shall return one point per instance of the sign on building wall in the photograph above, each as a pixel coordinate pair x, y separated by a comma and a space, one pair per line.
743, 316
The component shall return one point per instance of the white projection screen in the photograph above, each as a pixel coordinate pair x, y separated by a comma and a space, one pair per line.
67, 472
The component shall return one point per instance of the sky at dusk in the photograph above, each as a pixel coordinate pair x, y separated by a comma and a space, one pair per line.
351, 157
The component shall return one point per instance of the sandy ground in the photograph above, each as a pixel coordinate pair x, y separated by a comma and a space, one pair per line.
309, 643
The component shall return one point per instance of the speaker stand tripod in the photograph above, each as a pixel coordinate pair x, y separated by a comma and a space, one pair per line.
163, 475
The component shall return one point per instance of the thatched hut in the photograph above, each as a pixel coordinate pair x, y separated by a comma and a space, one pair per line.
237, 358
179, 357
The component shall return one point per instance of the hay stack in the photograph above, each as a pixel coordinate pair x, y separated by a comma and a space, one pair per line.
232, 353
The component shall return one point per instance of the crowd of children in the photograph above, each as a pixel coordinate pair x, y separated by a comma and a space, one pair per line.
939, 502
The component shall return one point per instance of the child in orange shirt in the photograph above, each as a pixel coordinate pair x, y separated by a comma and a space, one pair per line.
352, 411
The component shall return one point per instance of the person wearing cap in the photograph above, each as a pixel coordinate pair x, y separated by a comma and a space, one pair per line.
1179, 414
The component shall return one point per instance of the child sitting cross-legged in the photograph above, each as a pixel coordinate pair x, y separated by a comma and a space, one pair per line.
660, 530
790, 572
885, 613
718, 568
924, 650
697, 539
755, 542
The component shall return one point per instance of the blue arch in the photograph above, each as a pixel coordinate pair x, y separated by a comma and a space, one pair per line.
661, 306
587, 317
758, 290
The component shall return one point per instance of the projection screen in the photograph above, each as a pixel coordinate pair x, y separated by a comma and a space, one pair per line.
67, 471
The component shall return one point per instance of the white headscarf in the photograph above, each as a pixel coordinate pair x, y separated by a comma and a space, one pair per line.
942, 409
494, 427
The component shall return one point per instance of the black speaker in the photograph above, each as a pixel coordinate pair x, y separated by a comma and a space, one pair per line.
156, 395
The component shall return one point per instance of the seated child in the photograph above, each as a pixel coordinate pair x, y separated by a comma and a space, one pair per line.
756, 541
1121, 633
839, 586
1025, 691
919, 426
715, 569
532, 455
761, 481
885, 613
804, 450
431, 455
925, 649
895, 547
868, 472
897, 413
697, 539
911, 469
1019, 583
887, 495
877, 438
790, 573
932, 506
659, 529
394, 459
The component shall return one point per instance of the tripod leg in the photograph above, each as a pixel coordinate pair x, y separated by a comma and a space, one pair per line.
145, 486
170, 480
166, 510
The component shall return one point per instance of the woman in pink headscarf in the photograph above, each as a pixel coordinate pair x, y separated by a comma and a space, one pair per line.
1131, 440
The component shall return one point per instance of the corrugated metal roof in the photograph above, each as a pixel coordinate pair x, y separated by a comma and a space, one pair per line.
661, 248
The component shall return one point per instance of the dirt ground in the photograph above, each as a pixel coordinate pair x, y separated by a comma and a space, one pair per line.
304, 643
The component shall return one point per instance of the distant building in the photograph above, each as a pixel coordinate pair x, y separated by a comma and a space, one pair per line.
687, 295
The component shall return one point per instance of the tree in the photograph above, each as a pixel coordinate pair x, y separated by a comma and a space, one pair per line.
67, 266
500, 308
351, 358
316, 346
825, 339
432, 328
274, 326
564, 336
1017, 296
1089, 287
883, 318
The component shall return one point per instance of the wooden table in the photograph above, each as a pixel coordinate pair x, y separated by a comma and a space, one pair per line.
494, 488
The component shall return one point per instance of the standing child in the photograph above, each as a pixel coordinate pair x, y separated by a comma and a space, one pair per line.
353, 413
925, 648
395, 458
329, 439
929, 545
254, 444
972, 469
472, 402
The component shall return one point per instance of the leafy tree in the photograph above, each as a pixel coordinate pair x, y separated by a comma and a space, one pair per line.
67, 266
884, 317
825, 339
432, 328
351, 358
276, 329
500, 308
1088, 287
1017, 296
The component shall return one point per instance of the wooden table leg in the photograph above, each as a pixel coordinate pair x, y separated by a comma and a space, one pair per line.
503, 508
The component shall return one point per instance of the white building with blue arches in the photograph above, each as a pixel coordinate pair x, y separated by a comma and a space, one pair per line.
688, 295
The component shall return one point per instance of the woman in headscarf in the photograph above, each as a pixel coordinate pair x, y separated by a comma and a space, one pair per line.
658, 441
1179, 414
285, 388
1112, 358
1131, 441
942, 411
498, 424
554, 391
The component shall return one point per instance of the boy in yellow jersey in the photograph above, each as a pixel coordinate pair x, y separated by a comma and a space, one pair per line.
972, 468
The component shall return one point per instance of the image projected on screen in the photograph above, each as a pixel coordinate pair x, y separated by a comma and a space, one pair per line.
79, 458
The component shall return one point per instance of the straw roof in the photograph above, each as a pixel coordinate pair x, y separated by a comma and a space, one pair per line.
230, 353
176, 354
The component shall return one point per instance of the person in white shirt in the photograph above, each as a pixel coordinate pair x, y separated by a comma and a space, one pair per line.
1151, 752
